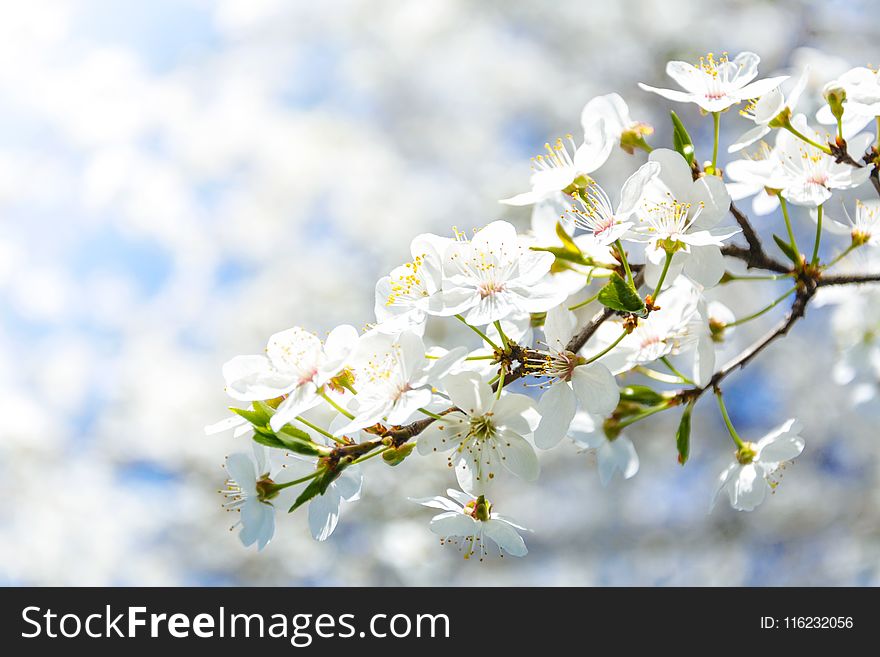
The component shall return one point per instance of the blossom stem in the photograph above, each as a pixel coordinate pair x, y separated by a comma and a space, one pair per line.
339, 408
797, 133
430, 414
584, 303
367, 457
657, 376
477, 331
321, 431
504, 339
674, 370
607, 349
773, 304
733, 434
820, 211
288, 484
716, 119
784, 205
641, 416
629, 276
852, 247
770, 277
501, 374
662, 276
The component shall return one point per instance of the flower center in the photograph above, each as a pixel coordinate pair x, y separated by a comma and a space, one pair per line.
489, 287
557, 156
482, 427
408, 284
746, 454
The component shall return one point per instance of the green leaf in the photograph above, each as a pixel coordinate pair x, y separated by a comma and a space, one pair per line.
641, 395
264, 410
318, 486
567, 241
681, 140
619, 295
268, 439
683, 435
787, 249
297, 441
562, 253
252, 416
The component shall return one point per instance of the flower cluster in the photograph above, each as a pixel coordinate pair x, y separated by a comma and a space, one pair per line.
596, 319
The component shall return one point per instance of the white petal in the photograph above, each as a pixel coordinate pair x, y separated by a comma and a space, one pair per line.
469, 392
760, 87
704, 360
782, 444
595, 150
437, 502
518, 456
749, 488
748, 138
557, 407
595, 388
675, 173
506, 537
324, 514
634, 188
242, 471
252, 378
559, 326
670, 94
453, 524
348, 484
705, 265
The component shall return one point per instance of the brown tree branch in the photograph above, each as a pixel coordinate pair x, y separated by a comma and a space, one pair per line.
798, 308
848, 279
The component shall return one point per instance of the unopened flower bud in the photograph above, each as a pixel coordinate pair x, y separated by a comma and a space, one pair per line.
634, 137
716, 329
835, 96
396, 455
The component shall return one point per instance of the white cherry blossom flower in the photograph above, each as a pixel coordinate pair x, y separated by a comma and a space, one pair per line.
766, 108
473, 520
393, 378
594, 212
617, 455
324, 510
296, 365
485, 433
617, 122
683, 214
680, 326
569, 276
716, 84
863, 228
862, 105
243, 493
747, 480
752, 175
495, 275
564, 163
406, 297
808, 174
572, 382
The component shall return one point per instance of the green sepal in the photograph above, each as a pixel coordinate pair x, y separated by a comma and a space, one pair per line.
787, 249
683, 435
619, 295
681, 140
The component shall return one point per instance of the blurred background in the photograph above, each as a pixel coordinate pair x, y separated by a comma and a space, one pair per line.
181, 178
